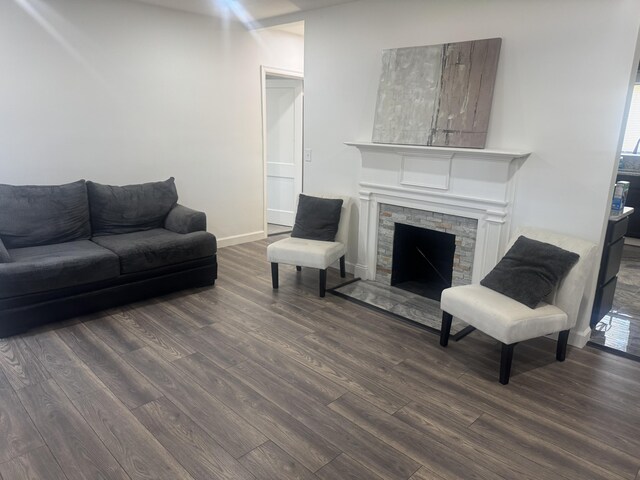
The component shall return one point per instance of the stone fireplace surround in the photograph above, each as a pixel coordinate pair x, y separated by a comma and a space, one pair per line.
460, 183
463, 228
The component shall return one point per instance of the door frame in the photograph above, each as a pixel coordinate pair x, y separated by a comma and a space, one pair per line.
275, 72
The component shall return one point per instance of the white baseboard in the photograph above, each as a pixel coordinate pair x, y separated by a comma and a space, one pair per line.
579, 338
360, 271
244, 238
350, 268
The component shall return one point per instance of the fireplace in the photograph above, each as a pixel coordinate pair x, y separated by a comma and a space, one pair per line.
467, 193
447, 241
422, 260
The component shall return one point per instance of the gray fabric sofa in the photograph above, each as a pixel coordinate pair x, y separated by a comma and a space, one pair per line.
67, 250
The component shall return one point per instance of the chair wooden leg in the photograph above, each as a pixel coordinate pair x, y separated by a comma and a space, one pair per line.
323, 282
561, 348
505, 362
274, 274
445, 329
298, 268
343, 270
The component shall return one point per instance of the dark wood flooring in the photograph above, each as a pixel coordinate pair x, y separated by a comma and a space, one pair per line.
243, 382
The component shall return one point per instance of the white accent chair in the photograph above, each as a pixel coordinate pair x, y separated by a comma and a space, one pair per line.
313, 253
510, 321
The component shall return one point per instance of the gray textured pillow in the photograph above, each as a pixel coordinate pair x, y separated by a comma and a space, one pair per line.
530, 270
317, 218
4, 255
130, 208
32, 215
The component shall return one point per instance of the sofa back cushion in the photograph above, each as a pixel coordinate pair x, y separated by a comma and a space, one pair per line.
33, 215
131, 208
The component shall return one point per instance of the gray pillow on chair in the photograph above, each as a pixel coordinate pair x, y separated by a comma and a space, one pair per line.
530, 271
4, 255
317, 218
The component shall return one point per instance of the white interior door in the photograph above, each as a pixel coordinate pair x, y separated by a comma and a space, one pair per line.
284, 148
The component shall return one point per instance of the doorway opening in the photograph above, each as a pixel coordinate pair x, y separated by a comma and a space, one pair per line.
282, 117
615, 319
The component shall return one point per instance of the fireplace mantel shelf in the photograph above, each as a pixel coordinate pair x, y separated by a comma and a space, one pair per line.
425, 150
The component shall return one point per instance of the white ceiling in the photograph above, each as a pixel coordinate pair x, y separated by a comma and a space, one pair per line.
256, 9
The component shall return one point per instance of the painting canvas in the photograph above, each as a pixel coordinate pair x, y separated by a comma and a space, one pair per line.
437, 95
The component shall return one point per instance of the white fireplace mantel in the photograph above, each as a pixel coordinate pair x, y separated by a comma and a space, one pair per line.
505, 155
465, 182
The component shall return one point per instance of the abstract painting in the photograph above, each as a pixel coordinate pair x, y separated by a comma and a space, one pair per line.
438, 95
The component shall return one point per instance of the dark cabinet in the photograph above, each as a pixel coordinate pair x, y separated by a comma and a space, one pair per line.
633, 200
609, 266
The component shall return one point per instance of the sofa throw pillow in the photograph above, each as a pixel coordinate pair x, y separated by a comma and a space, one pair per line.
530, 271
130, 208
4, 255
33, 215
317, 218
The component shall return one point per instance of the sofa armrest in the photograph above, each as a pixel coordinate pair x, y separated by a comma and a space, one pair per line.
185, 220
4, 254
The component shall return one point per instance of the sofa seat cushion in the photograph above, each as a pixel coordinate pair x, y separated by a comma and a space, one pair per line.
140, 251
52, 267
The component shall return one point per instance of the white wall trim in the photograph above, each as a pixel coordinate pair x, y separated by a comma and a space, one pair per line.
579, 338
243, 238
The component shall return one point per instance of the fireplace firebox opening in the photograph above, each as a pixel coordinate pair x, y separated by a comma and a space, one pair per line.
422, 260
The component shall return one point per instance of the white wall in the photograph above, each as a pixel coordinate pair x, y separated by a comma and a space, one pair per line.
121, 92
563, 77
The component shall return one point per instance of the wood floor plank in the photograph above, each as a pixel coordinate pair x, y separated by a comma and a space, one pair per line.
155, 336
205, 342
184, 307
563, 427
257, 316
362, 446
489, 396
113, 333
226, 333
69, 372
425, 474
161, 313
19, 365
451, 434
295, 438
120, 377
337, 371
78, 451
198, 452
347, 352
218, 420
345, 468
426, 449
539, 450
270, 462
18, 435
297, 375
37, 464
139, 453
